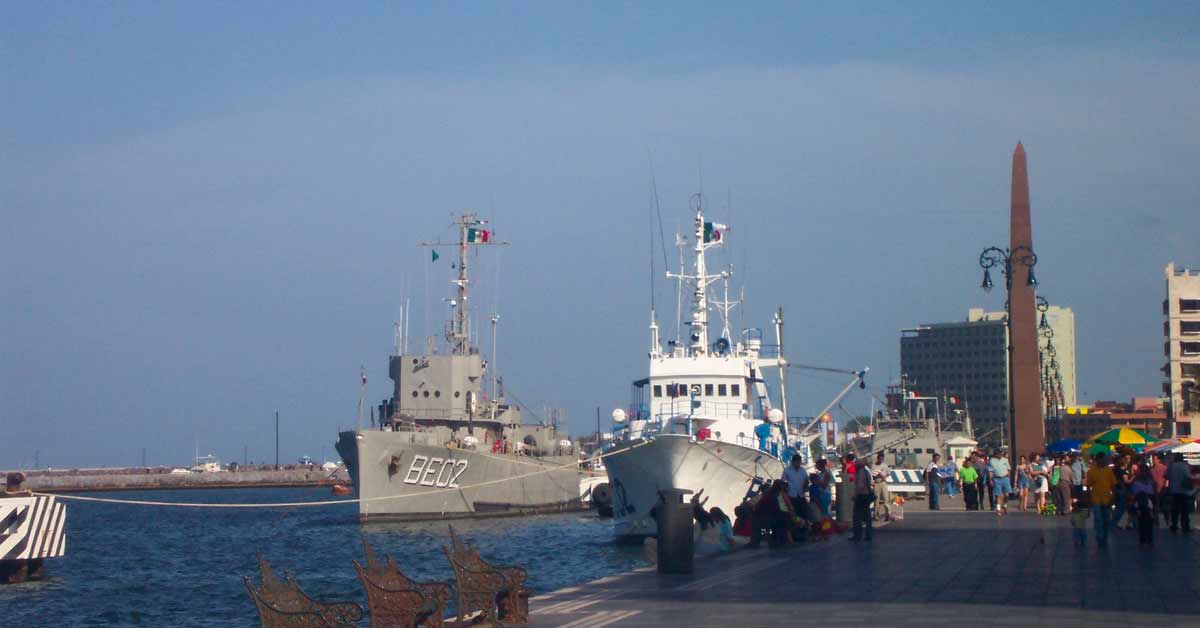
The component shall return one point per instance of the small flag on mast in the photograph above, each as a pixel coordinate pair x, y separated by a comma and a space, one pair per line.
478, 236
435, 257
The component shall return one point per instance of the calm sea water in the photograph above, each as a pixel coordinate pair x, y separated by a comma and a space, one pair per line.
151, 566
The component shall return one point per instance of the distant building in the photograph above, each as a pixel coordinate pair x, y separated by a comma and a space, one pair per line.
1181, 345
1147, 414
1061, 321
970, 360
967, 360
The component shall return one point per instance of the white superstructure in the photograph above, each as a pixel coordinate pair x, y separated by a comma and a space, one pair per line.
703, 418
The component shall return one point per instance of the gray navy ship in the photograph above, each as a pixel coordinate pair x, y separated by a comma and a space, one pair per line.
443, 449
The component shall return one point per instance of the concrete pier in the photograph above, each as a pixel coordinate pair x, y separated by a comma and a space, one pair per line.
944, 568
161, 478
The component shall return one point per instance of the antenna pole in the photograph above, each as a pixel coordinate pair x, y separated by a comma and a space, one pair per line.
492, 365
782, 372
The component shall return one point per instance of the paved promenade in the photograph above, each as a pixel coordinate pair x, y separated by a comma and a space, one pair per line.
946, 568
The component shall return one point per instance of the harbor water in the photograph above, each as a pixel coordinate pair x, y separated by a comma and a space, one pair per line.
156, 566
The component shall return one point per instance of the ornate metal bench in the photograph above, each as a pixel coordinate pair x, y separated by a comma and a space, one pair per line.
281, 604
496, 590
395, 599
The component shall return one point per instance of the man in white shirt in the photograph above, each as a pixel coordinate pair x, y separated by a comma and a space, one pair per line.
880, 471
797, 483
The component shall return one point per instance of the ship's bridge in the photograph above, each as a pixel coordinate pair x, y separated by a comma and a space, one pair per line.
712, 396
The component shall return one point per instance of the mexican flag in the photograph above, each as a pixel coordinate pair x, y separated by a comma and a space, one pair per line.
478, 236
712, 231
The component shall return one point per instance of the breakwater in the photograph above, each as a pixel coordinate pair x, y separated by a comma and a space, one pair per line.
118, 479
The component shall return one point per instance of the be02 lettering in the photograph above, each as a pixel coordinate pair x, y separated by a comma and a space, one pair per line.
439, 472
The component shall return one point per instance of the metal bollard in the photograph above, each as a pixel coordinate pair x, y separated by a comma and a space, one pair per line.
845, 501
676, 545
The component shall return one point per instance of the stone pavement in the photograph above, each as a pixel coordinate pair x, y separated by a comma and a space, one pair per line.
945, 568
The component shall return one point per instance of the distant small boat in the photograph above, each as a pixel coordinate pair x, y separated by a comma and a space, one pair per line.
342, 489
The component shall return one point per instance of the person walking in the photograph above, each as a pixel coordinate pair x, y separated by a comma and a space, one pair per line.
1100, 481
1143, 495
969, 477
1121, 489
933, 482
1041, 482
1179, 485
1024, 482
985, 478
1001, 481
950, 477
1158, 472
1064, 487
1077, 471
864, 494
883, 498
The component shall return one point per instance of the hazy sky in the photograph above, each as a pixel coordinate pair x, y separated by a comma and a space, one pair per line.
210, 210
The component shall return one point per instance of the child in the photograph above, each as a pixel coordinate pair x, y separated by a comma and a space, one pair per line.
1079, 518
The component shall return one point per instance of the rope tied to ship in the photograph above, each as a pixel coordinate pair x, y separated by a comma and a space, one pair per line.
332, 502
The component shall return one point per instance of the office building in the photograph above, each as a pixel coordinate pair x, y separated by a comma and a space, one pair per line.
1181, 331
1061, 321
967, 360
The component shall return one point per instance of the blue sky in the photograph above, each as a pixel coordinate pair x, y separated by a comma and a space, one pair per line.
211, 209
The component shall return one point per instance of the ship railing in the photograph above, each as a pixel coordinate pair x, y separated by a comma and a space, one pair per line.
699, 408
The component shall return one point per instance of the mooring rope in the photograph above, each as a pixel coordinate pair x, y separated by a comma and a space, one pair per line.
330, 502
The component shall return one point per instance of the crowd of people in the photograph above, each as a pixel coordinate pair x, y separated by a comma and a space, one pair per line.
1128, 490
796, 507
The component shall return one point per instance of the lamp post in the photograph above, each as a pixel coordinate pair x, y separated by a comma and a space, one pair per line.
1047, 358
1007, 260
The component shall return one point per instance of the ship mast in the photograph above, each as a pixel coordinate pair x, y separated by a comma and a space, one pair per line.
471, 232
707, 235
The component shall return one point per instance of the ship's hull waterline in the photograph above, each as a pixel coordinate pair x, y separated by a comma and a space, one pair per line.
639, 469
397, 479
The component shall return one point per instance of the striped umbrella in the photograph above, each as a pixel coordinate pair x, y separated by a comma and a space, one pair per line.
1169, 443
1131, 438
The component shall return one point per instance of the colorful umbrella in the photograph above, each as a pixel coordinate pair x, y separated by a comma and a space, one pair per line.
1169, 443
1134, 439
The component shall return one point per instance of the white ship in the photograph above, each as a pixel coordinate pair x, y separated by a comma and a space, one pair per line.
703, 418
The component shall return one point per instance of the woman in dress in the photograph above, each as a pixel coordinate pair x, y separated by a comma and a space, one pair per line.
1041, 479
1024, 482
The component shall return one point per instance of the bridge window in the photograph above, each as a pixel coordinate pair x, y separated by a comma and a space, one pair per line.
658, 390
708, 390
721, 390
735, 390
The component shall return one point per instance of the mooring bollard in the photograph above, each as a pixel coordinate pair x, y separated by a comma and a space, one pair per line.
676, 545
845, 500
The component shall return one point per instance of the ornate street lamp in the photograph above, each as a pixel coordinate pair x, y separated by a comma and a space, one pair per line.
1007, 260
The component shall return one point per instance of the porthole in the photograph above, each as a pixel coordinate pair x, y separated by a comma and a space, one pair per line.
414, 393
414, 361
457, 394
437, 393
425, 394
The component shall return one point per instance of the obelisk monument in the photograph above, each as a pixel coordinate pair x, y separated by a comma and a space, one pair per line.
1029, 429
